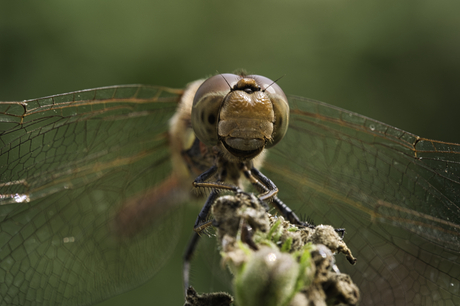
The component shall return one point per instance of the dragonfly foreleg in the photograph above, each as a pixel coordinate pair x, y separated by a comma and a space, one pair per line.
200, 181
283, 208
262, 183
203, 215
205, 175
215, 187
269, 191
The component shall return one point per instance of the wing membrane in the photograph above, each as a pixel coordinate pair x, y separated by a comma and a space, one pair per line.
68, 164
396, 194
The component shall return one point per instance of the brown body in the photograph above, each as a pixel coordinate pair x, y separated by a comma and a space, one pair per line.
137, 213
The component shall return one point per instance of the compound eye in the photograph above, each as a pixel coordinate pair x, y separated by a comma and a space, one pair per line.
280, 107
207, 104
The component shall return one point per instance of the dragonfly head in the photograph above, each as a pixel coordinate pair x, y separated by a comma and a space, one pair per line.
244, 114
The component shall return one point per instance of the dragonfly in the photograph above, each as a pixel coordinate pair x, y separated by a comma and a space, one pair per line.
233, 118
80, 174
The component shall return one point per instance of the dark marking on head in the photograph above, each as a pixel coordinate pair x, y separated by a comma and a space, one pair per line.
248, 85
211, 119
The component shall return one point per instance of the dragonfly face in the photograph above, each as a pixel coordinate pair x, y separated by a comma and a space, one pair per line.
238, 113
78, 168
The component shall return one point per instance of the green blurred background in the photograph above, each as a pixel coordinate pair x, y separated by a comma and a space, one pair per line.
395, 61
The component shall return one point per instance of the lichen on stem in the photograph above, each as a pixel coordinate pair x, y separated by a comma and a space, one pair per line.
277, 263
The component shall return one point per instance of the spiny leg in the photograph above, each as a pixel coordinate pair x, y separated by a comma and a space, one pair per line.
269, 190
200, 222
216, 186
264, 184
205, 175
203, 215
193, 242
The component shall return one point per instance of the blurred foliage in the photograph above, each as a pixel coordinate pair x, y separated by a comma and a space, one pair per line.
395, 61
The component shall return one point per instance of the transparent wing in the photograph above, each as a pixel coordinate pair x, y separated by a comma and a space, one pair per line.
397, 195
72, 164
69, 165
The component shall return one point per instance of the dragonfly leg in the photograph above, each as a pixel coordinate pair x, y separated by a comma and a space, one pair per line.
205, 175
216, 186
263, 184
193, 242
269, 189
200, 181
199, 225
283, 208
203, 215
